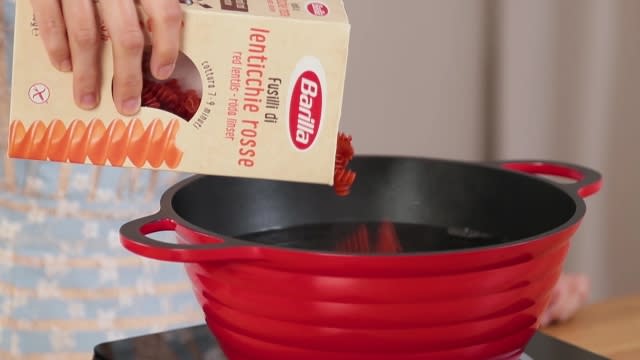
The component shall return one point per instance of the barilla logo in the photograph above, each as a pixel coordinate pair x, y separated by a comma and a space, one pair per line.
307, 94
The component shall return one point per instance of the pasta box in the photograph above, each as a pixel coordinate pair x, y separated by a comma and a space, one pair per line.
257, 93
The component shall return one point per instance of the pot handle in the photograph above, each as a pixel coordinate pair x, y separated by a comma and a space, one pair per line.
133, 236
587, 181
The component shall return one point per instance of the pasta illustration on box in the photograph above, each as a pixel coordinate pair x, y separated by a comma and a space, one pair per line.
257, 93
97, 142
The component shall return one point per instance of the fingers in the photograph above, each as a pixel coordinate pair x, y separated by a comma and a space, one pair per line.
84, 45
166, 23
569, 295
121, 18
49, 17
71, 37
576, 295
70, 34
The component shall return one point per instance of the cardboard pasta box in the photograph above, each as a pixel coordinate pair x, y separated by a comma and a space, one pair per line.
257, 93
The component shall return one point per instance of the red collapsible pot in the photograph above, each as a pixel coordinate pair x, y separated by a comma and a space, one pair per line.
292, 298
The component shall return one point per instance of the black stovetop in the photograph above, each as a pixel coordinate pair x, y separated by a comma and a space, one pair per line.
197, 343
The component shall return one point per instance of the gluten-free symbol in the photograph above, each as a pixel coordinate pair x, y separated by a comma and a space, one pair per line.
39, 93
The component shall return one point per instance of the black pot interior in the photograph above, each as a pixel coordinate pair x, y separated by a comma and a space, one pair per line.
433, 205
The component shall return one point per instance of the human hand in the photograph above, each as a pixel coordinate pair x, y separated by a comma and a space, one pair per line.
568, 296
71, 36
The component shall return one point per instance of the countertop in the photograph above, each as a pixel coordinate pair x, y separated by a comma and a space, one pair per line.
610, 328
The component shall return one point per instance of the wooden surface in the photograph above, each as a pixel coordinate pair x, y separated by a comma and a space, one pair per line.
610, 328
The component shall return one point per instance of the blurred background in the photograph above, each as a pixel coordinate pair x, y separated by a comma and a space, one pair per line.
489, 79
